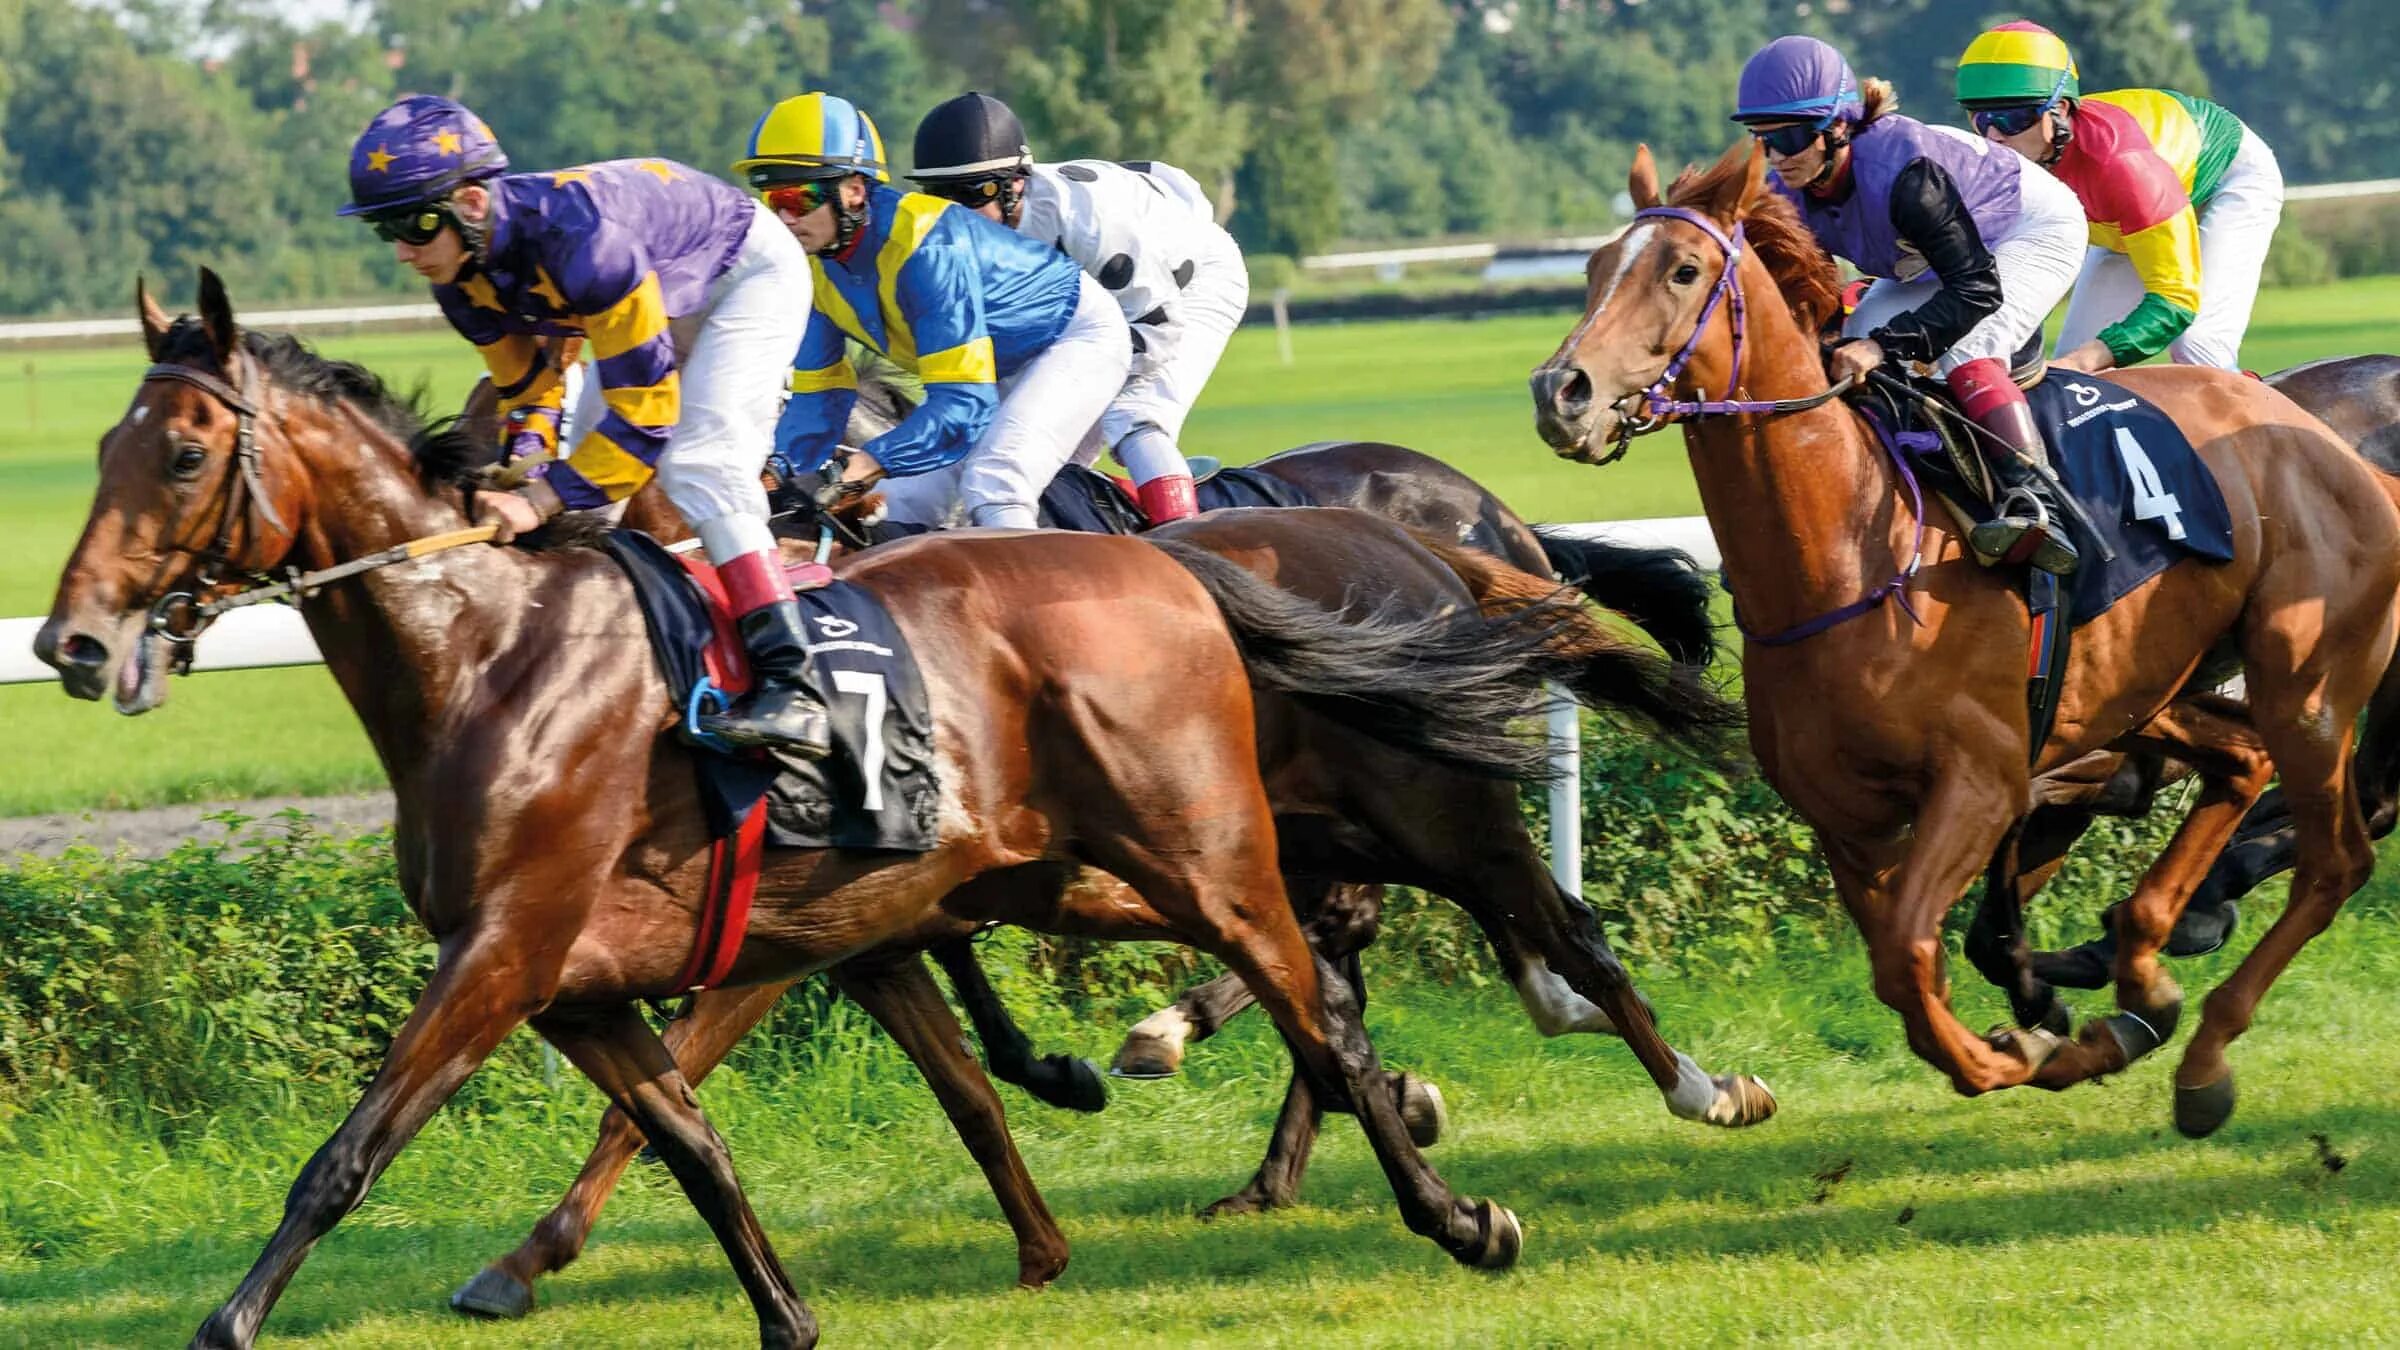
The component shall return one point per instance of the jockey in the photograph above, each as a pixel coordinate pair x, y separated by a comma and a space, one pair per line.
2182, 198
1020, 352
1144, 230
1970, 250
691, 298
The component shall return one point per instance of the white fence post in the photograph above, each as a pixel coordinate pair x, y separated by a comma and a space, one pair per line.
1566, 792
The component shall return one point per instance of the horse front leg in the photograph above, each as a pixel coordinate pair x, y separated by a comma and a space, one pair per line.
699, 1041
625, 1059
1899, 912
482, 989
1069, 1082
1336, 916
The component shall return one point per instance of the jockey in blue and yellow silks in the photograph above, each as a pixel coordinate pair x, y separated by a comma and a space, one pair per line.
692, 299
1019, 350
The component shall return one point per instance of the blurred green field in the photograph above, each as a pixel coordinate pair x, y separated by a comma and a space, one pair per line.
1453, 389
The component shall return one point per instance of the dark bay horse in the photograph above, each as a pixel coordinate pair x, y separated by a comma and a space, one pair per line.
1348, 807
548, 832
1901, 734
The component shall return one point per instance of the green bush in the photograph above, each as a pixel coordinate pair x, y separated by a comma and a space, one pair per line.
275, 963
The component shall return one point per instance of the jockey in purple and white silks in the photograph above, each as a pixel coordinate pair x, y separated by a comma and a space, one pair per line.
1969, 251
1019, 351
1145, 231
691, 298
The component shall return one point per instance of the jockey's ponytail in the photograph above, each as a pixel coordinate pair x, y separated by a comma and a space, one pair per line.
1877, 97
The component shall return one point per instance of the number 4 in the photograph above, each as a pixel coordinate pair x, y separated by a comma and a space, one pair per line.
870, 685
2151, 500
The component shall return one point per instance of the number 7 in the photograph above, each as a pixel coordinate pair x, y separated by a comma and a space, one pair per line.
870, 685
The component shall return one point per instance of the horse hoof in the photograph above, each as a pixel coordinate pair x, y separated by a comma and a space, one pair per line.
1422, 1109
2036, 1044
1240, 1202
1146, 1057
1743, 1099
2059, 1021
2138, 1035
1503, 1238
493, 1293
2200, 1111
1073, 1084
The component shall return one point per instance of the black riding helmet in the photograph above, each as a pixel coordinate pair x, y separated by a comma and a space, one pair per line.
972, 149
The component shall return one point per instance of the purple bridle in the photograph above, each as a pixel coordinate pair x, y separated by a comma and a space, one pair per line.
1658, 406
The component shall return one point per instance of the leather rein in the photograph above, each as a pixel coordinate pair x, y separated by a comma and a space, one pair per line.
180, 617
1659, 406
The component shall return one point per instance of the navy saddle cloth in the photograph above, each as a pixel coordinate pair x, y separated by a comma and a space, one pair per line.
2136, 476
1090, 502
877, 790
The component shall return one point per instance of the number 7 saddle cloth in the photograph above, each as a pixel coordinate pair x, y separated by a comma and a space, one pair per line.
878, 789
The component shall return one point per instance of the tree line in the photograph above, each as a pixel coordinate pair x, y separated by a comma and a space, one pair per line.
158, 134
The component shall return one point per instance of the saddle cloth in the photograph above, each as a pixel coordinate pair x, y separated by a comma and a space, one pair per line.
2147, 491
877, 790
1090, 502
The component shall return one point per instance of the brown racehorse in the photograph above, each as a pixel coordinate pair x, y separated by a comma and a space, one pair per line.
1901, 733
547, 828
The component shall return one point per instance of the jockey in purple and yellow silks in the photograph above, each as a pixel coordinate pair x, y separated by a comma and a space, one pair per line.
2182, 200
1020, 351
691, 298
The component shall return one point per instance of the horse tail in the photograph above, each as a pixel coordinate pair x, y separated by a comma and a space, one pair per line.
1662, 590
1606, 673
1458, 689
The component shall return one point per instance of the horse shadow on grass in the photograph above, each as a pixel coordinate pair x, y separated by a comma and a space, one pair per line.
1659, 1196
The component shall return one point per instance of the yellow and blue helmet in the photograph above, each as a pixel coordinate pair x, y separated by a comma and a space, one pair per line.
812, 137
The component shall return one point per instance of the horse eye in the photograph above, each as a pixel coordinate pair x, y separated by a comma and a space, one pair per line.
189, 459
1687, 274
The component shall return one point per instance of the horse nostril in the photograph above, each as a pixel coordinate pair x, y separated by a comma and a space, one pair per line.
1574, 396
86, 651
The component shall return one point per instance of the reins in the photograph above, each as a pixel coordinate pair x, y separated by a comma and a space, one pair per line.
1659, 405
180, 617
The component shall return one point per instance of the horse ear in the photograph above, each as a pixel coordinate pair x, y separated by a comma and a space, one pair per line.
216, 317
155, 322
1642, 184
1754, 179
1731, 178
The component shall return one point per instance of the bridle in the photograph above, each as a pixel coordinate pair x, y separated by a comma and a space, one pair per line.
180, 617
1659, 406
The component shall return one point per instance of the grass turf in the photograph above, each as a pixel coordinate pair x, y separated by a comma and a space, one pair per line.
1454, 389
1878, 1206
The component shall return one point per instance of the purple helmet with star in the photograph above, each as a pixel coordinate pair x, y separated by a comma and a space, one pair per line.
1798, 79
416, 151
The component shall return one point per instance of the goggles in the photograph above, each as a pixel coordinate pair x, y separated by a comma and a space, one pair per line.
415, 226
798, 199
964, 191
2020, 119
1790, 139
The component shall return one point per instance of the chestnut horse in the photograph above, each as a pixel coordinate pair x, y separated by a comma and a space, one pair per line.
548, 831
1899, 730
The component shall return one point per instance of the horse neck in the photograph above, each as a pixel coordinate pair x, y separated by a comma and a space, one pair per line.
1803, 504
405, 642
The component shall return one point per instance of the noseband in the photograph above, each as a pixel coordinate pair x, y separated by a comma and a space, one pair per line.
1659, 405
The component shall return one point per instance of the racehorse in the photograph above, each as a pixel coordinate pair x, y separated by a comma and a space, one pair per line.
548, 831
1899, 730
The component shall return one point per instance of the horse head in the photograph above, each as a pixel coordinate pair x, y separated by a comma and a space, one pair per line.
1655, 320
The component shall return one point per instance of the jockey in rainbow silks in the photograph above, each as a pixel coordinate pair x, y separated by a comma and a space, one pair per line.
2182, 200
1019, 351
691, 299
1147, 233
1970, 248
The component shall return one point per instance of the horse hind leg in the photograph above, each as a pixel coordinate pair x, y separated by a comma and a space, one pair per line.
1068, 1082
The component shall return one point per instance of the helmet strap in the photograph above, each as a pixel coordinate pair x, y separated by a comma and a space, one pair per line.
848, 222
1827, 181
2064, 136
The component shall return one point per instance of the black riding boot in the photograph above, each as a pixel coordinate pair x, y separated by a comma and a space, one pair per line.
780, 710
2026, 528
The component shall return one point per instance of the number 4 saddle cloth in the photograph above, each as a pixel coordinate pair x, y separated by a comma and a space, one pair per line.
2140, 483
878, 789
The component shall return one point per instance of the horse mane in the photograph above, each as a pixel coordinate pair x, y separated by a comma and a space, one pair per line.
1803, 271
446, 452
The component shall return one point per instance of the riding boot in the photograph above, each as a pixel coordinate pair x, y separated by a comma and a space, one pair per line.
780, 710
2022, 529
1168, 498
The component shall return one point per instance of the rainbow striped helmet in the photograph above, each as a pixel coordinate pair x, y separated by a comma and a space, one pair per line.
416, 151
811, 137
2017, 63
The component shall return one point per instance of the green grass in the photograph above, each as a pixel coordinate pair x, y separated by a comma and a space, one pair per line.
1877, 1206
1455, 389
